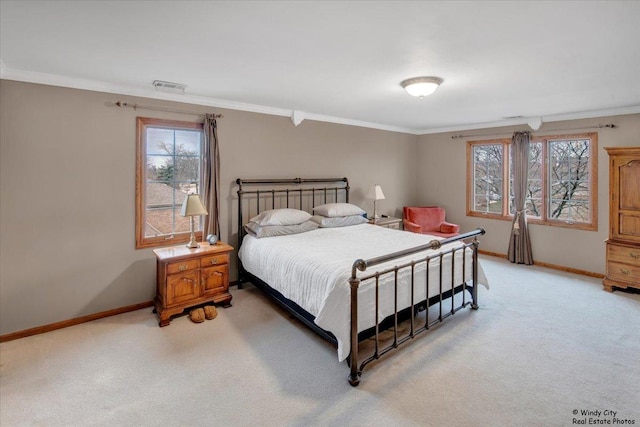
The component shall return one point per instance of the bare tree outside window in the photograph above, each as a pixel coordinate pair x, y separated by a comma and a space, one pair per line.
179, 167
559, 184
488, 186
169, 159
173, 171
569, 180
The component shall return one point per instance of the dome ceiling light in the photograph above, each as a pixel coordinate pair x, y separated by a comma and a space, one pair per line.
421, 86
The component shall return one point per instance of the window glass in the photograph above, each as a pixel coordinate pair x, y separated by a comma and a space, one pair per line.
171, 153
488, 188
559, 182
569, 180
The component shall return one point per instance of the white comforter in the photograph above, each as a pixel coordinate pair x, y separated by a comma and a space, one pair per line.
313, 268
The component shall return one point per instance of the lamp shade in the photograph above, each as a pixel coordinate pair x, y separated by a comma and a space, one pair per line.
376, 193
421, 86
192, 206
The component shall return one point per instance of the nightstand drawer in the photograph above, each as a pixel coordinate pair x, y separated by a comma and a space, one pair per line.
208, 261
623, 254
623, 272
177, 267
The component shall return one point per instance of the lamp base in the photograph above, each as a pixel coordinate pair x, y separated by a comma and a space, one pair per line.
376, 217
192, 242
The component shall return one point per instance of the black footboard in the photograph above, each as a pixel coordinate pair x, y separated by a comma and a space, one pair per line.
443, 294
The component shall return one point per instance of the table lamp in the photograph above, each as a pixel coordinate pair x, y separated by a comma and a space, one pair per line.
376, 194
192, 206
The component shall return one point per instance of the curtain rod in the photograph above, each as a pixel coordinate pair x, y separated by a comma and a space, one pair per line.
169, 110
600, 126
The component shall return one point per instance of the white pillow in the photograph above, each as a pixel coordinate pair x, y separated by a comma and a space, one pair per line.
279, 230
338, 209
338, 221
281, 217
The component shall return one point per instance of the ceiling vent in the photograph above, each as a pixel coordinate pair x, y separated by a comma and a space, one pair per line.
169, 87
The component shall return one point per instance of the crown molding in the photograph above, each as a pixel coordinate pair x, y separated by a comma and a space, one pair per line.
98, 86
359, 123
473, 126
634, 109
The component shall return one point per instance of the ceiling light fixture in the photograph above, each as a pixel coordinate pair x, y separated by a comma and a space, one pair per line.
421, 86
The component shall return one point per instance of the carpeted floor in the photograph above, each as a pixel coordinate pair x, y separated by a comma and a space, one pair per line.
543, 347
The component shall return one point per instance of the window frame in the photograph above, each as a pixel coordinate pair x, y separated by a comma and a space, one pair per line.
142, 123
544, 219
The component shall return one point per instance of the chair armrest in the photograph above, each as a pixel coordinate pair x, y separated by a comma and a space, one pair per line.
447, 227
411, 226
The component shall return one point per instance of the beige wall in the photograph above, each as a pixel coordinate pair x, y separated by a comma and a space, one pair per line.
67, 191
443, 181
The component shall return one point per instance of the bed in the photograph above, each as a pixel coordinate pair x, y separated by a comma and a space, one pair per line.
351, 283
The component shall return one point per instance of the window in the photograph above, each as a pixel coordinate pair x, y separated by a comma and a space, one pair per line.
169, 157
561, 185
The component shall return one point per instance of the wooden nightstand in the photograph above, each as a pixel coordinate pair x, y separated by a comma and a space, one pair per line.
189, 277
388, 222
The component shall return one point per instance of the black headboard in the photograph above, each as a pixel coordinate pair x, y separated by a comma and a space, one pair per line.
295, 193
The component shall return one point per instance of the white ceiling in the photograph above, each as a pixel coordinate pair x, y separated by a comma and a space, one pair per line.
341, 61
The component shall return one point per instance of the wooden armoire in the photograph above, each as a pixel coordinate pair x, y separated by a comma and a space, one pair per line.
623, 245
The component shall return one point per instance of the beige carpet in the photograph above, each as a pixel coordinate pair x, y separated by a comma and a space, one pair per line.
542, 345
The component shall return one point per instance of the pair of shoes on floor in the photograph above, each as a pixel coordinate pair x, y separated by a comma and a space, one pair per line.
198, 315
210, 312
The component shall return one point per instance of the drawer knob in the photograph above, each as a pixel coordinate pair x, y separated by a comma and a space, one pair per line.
182, 267
623, 271
213, 261
634, 255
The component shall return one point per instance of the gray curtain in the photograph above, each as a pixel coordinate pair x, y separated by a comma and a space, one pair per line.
211, 176
519, 243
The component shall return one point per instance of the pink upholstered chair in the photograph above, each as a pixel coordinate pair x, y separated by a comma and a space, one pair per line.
428, 220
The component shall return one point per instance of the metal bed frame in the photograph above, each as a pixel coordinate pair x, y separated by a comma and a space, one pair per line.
305, 189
